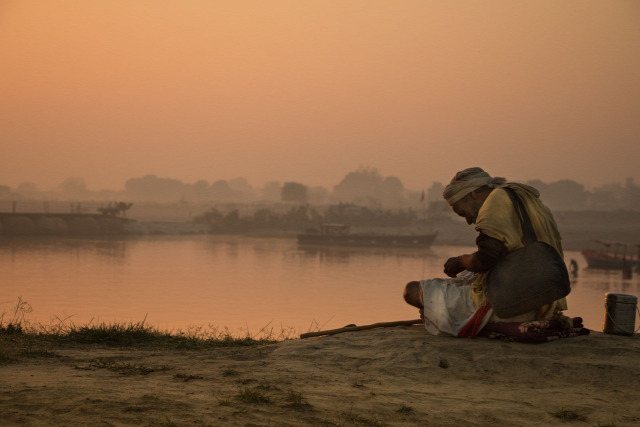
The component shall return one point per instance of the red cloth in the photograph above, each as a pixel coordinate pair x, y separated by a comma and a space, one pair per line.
470, 330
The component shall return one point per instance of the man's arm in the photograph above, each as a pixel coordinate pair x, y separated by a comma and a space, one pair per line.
490, 250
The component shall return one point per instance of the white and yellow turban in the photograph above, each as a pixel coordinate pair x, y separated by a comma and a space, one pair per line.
468, 180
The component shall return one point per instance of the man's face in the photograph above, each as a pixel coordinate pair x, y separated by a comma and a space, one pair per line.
468, 207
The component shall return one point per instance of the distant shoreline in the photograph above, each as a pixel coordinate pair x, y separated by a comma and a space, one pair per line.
578, 229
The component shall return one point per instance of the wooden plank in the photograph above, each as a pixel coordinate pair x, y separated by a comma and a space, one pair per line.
363, 328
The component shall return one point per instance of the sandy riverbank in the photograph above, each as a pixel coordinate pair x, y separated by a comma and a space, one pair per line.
394, 376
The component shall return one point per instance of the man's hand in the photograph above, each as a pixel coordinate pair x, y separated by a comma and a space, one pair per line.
453, 266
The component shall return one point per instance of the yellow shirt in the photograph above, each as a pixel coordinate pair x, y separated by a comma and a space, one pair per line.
497, 218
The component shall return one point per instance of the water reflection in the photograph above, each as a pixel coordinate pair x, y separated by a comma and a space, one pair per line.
342, 255
114, 248
606, 280
182, 281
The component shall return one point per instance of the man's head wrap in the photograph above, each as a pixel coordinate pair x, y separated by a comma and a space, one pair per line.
468, 180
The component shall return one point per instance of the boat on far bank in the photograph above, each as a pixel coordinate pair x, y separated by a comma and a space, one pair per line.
340, 235
612, 255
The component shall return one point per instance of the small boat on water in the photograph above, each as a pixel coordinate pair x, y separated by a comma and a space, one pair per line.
612, 255
340, 235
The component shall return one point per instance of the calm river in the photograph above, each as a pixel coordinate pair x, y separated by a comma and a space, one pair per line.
177, 282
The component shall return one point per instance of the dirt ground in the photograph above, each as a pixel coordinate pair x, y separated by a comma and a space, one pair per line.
393, 376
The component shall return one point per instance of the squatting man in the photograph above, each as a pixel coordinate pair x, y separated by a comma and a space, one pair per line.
458, 306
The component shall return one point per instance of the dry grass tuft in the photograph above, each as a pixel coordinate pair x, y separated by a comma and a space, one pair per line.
253, 395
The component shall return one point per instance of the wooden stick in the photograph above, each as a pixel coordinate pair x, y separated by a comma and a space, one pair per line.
362, 328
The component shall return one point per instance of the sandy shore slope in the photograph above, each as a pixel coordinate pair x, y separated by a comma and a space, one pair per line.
394, 376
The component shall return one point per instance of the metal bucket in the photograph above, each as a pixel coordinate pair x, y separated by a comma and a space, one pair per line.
620, 314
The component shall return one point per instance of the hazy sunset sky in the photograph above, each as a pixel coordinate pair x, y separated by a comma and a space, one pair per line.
308, 91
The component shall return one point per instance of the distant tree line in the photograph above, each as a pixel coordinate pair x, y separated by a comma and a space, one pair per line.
301, 217
365, 187
567, 195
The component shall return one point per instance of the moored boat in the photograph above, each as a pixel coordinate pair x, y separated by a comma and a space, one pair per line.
612, 255
340, 235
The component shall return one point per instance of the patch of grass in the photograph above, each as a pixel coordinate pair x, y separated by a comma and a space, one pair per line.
20, 339
20, 313
266, 386
142, 334
224, 402
295, 400
565, 415
404, 409
122, 335
229, 372
110, 334
130, 334
135, 409
187, 378
4, 358
361, 420
126, 368
253, 395
10, 329
38, 353
168, 422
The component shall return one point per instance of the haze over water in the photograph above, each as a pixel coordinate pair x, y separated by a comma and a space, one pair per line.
308, 91
177, 282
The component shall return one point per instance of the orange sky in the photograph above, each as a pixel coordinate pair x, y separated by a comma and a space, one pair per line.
311, 90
